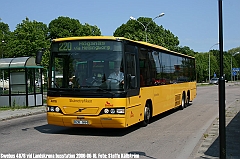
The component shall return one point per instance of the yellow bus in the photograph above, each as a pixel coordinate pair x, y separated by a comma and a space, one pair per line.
154, 80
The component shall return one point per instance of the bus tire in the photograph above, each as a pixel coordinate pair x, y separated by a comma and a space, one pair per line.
188, 99
183, 103
147, 115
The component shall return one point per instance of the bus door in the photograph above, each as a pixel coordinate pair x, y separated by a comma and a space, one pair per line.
133, 110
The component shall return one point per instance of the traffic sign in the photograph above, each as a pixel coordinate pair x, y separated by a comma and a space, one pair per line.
236, 69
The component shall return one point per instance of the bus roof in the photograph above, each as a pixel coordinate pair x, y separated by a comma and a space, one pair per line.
117, 38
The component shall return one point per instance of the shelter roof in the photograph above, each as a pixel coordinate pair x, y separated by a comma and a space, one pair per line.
18, 62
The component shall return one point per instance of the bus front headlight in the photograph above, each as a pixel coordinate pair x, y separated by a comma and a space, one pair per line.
106, 111
112, 111
57, 109
54, 109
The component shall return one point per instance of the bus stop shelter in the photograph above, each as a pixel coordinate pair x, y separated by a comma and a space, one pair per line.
20, 82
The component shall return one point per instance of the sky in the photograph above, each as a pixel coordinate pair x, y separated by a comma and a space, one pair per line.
194, 22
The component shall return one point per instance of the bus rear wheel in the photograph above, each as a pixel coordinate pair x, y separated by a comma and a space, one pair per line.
187, 99
183, 103
147, 115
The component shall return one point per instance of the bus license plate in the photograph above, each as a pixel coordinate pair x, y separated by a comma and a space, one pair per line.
84, 122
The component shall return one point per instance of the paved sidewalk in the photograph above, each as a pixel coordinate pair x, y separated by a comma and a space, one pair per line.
208, 147
10, 114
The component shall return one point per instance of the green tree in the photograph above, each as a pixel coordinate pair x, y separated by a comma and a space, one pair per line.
4, 30
202, 67
137, 30
4, 37
214, 64
28, 38
227, 65
185, 50
236, 58
68, 27
89, 30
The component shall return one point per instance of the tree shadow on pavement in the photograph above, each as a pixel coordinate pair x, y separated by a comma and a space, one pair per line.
232, 141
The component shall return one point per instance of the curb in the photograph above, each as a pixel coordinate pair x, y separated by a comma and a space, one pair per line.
17, 113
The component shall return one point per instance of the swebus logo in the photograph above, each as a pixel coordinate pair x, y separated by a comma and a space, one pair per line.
108, 104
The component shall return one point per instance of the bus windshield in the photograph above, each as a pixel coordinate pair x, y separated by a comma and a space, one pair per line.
86, 69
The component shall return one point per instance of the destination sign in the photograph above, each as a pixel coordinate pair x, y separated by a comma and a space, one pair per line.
82, 46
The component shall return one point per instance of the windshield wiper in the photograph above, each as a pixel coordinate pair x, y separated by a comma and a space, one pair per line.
85, 87
103, 90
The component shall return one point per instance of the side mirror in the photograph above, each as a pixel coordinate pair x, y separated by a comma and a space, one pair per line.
39, 57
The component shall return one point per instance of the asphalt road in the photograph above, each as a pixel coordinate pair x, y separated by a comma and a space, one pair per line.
173, 134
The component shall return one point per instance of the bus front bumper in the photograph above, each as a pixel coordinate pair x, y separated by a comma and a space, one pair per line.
102, 121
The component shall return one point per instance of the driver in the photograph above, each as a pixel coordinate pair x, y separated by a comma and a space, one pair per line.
116, 76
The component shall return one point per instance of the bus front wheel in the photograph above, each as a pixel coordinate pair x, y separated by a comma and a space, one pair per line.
147, 115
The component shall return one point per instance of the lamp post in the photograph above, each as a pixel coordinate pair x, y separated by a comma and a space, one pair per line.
209, 63
231, 64
145, 26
